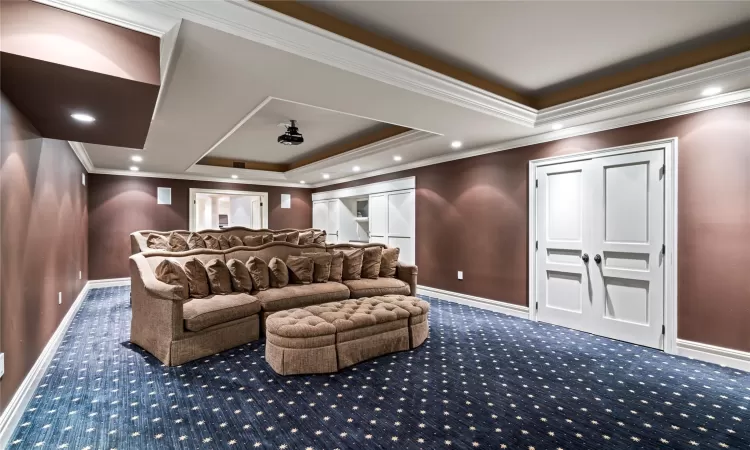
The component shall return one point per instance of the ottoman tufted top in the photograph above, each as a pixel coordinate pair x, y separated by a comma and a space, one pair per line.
328, 318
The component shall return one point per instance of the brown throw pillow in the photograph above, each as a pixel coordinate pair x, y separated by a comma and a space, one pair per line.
337, 267
300, 269
267, 238
219, 280
211, 242
278, 273
319, 237
177, 243
258, 272
371, 262
293, 237
389, 261
235, 241
321, 265
195, 241
252, 241
158, 242
241, 281
353, 264
279, 237
170, 272
197, 278
224, 243
305, 237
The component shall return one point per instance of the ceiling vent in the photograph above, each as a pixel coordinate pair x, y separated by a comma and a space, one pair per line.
292, 135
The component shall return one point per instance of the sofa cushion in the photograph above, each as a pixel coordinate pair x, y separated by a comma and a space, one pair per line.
241, 281
337, 267
371, 262
224, 243
197, 278
321, 265
366, 287
293, 237
389, 262
258, 272
278, 273
201, 313
279, 237
306, 237
252, 241
212, 242
353, 264
195, 241
300, 269
235, 241
319, 237
177, 243
219, 279
158, 242
171, 273
267, 238
297, 296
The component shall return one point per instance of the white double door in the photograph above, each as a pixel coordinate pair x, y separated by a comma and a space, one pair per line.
600, 231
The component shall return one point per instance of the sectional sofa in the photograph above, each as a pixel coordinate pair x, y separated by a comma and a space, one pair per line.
177, 330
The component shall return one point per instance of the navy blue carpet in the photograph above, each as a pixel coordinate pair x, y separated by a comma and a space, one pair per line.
482, 380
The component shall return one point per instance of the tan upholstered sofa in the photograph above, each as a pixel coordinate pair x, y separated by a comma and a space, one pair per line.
139, 239
176, 330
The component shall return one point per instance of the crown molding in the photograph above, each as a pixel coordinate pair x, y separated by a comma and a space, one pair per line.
117, 13
83, 156
186, 176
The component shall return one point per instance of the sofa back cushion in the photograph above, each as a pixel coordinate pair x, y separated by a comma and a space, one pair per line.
235, 241
293, 237
278, 273
389, 261
196, 241
197, 278
253, 241
353, 264
321, 265
300, 269
170, 271
267, 251
212, 242
305, 237
371, 262
337, 267
224, 242
219, 279
241, 280
258, 272
177, 243
158, 242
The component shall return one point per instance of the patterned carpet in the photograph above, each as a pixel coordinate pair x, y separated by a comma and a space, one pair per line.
482, 380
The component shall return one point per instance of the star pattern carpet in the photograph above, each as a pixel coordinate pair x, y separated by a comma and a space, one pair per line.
482, 380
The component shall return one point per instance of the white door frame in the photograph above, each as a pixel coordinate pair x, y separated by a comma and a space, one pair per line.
194, 191
670, 225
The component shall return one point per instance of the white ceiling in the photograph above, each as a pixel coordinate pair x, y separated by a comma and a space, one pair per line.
256, 141
533, 45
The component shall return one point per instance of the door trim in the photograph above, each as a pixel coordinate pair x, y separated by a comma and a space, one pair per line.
670, 224
194, 191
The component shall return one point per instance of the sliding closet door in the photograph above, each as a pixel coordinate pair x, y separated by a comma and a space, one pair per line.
628, 233
401, 224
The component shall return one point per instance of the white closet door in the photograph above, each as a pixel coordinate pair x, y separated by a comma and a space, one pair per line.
564, 291
333, 220
401, 224
378, 214
320, 215
628, 233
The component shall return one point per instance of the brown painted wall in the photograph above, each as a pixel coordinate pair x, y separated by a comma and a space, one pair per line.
119, 205
472, 215
43, 242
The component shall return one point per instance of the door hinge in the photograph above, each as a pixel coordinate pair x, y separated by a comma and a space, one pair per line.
663, 170
663, 249
537, 245
663, 330
537, 182
537, 306
261, 203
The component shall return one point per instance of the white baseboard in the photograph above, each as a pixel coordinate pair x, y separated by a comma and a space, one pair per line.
477, 302
17, 405
728, 357
109, 282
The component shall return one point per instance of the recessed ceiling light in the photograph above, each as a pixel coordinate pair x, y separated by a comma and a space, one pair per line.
456, 144
81, 117
557, 126
234, 177
397, 158
302, 181
134, 168
356, 168
712, 90
137, 158
326, 176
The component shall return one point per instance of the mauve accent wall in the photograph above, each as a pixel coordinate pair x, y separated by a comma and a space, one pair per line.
43, 242
472, 215
119, 205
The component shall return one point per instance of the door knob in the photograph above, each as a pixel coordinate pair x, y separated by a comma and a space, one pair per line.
598, 259
585, 257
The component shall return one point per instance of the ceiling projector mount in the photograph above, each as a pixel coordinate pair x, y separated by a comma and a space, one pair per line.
292, 135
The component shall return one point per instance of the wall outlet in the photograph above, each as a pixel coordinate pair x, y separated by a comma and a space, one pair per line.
59, 298
2, 364
83, 179
80, 274
460, 274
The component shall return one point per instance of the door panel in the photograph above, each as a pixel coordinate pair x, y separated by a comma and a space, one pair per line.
378, 216
405, 244
320, 215
400, 213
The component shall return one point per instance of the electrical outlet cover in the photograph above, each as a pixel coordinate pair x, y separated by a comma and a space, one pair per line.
460, 275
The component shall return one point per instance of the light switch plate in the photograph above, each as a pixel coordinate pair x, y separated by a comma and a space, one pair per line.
460, 275
80, 274
2, 364
59, 298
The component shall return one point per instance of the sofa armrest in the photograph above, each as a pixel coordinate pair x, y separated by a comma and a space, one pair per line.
138, 243
152, 287
408, 274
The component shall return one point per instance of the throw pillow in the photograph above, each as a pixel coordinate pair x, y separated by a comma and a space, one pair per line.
258, 272
267, 238
224, 243
305, 237
219, 279
321, 265
170, 272
252, 241
235, 241
278, 273
353, 264
197, 278
389, 261
158, 242
212, 243
177, 243
196, 241
300, 269
241, 281
371, 262
319, 237
337, 267
293, 237
279, 237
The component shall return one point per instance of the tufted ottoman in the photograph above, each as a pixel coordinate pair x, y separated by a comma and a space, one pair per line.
328, 337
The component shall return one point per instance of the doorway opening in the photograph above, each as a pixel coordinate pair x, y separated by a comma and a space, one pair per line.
217, 209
